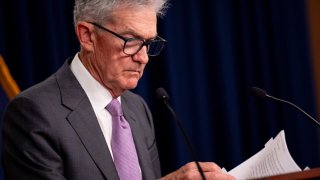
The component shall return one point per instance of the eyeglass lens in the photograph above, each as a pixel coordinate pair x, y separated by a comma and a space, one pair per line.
155, 47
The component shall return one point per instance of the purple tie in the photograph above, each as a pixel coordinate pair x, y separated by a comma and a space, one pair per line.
123, 149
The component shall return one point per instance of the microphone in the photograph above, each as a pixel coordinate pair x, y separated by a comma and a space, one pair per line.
162, 95
263, 94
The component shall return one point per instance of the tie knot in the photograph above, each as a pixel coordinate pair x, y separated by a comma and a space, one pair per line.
114, 107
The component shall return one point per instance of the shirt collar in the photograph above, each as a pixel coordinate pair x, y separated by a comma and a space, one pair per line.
98, 95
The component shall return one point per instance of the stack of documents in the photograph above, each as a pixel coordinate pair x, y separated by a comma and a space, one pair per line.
273, 159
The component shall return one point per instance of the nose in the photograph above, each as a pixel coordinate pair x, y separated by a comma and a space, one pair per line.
141, 56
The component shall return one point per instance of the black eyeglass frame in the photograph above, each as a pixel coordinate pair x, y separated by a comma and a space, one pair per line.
126, 40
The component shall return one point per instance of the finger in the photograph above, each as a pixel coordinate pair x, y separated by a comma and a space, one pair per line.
195, 175
191, 166
210, 167
220, 176
205, 167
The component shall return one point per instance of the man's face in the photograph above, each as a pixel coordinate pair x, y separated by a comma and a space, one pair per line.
112, 67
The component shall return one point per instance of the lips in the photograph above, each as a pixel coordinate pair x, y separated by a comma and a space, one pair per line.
137, 71
132, 72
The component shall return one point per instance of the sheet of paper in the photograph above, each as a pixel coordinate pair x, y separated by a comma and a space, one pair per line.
273, 159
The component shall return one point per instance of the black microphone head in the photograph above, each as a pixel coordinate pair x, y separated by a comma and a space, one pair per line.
258, 92
162, 94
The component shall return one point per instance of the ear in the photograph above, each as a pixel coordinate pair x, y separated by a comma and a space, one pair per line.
85, 35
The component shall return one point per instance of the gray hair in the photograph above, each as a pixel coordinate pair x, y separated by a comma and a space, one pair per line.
101, 10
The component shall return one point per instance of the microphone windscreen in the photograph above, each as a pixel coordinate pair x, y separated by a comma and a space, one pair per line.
255, 91
162, 94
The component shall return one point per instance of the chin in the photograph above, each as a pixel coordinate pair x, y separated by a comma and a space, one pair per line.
132, 84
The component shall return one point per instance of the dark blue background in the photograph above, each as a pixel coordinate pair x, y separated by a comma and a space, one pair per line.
216, 51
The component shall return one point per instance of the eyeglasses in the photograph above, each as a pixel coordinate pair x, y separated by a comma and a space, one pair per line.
132, 45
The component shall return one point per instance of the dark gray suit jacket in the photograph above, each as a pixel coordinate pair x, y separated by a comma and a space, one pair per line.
51, 132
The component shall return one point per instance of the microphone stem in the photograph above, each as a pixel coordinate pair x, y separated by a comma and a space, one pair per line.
185, 138
297, 107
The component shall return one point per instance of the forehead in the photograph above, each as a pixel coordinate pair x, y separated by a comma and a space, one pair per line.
142, 21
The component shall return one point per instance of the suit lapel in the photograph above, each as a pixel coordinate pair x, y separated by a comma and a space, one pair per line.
84, 121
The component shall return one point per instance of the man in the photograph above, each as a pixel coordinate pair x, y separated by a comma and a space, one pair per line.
71, 126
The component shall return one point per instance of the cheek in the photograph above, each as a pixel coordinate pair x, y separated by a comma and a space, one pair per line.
113, 69
113, 66
108, 60
109, 48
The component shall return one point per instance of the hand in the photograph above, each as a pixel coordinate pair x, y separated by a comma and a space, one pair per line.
190, 171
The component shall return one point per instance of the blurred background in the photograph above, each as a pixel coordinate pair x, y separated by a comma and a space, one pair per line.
216, 51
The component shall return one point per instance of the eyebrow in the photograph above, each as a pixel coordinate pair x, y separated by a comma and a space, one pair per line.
134, 33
